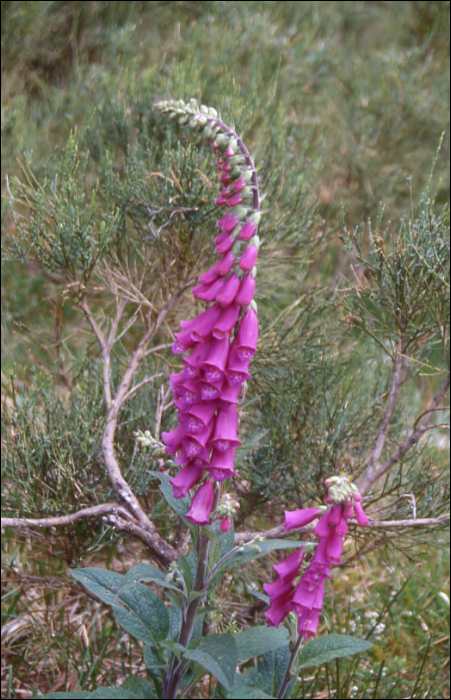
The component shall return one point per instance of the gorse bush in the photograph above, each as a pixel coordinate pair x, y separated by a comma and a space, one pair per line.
146, 431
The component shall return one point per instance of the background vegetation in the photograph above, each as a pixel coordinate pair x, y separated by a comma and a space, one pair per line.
345, 107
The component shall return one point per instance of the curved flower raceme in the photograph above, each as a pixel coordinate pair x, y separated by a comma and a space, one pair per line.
305, 595
219, 343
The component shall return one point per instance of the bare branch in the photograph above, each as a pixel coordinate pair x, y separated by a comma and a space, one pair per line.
106, 352
84, 514
369, 478
279, 532
134, 389
399, 375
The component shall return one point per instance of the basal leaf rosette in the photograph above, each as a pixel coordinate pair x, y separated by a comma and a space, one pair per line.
218, 344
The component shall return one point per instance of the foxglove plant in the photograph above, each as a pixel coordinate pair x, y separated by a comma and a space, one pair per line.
305, 596
218, 344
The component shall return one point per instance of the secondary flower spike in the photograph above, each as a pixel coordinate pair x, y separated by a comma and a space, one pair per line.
305, 595
218, 344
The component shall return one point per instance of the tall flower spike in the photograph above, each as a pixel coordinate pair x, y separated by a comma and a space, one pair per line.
217, 345
306, 596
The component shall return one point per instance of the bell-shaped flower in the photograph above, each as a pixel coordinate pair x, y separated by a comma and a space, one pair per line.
227, 293
237, 367
186, 479
308, 623
247, 336
202, 504
173, 439
299, 518
225, 524
215, 362
246, 291
249, 258
207, 292
289, 568
221, 464
226, 321
225, 244
195, 443
230, 393
225, 432
211, 390
193, 362
247, 231
198, 416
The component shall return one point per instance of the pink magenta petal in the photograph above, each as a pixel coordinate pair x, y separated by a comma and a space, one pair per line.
225, 433
230, 393
308, 623
207, 292
228, 222
227, 293
226, 321
226, 263
225, 245
237, 367
246, 291
198, 416
186, 479
360, 514
201, 505
247, 231
225, 524
334, 544
248, 258
299, 518
247, 337
216, 360
289, 568
324, 527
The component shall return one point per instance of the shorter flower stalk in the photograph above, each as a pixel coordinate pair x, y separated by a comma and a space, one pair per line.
219, 343
305, 595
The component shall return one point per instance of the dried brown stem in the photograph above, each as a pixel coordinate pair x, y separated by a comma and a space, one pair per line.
371, 476
399, 375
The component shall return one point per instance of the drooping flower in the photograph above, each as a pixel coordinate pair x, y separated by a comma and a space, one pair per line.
202, 504
306, 596
217, 345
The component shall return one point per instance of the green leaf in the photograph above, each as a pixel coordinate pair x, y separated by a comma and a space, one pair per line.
147, 618
102, 583
139, 687
147, 572
241, 690
272, 668
178, 505
153, 668
249, 551
119, 693
217, 653
332, 646
259, 640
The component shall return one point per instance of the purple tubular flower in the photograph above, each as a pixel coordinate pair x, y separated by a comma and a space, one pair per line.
221, 464
228, 222
215, 362
186, 479
225, 433
225, 524
207, 292
226, 263
230, 394
247, 336
246, 291
247, 231
192, 362
197, 417
173, 439
237, 367
227, 293
288, 569
201, 505
225, 245
299, 518
195, 443
307, 599
249, 258
226, 321
211, 390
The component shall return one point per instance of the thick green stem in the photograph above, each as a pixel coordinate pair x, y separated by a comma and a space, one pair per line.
189, 618
287, 677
